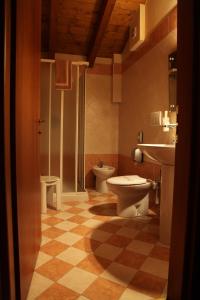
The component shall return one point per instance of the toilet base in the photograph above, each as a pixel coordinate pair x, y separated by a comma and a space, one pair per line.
126, 208
101, 185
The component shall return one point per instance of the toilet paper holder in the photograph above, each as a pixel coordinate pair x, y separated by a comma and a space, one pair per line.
137, 155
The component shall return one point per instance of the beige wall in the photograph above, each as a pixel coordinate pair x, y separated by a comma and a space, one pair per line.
156, 10
145, 90
101, 113
101, 116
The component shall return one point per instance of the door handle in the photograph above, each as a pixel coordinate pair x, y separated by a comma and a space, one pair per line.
40, 121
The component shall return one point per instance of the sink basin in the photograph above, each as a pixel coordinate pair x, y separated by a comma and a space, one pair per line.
162, 153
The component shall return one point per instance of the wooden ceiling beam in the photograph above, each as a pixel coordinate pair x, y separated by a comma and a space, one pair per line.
52, 28
101, 28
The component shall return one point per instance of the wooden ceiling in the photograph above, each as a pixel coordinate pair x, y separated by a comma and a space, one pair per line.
86, 27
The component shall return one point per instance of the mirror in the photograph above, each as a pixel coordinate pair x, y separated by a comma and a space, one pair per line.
172, 80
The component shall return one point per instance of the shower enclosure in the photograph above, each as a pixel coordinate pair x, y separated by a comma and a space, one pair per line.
62, 117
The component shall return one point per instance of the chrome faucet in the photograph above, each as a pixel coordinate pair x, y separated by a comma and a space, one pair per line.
100, 164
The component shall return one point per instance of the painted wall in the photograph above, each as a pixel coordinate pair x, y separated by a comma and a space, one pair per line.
145, 90
102, 118
157, 22
156, 10
111, 129
101, 113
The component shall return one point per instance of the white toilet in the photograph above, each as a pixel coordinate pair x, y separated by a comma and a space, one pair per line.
133, 194
102, 174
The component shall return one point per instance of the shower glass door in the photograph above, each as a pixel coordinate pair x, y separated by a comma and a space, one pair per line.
69, 136
55, 127
44, 117
50, 122
81, 133
62, 138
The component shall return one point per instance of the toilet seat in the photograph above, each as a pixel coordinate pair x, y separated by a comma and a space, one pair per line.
127, 180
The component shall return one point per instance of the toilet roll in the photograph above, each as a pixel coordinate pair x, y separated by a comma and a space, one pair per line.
137, 155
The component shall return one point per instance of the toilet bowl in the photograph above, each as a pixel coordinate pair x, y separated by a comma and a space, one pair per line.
133, 194
102, 174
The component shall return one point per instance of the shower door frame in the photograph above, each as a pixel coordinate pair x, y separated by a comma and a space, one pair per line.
77, 64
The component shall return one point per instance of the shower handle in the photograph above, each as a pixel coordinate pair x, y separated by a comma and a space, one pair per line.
39, 122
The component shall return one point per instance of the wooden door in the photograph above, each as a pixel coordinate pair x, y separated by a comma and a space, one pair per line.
27, 97
184, 271
7, 269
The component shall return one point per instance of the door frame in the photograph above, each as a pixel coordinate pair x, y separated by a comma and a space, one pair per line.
185, 240
10, 287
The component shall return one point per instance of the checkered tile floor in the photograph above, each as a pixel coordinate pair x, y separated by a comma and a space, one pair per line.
88, 252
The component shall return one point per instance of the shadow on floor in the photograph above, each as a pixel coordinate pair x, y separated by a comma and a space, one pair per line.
120, 263
107, 209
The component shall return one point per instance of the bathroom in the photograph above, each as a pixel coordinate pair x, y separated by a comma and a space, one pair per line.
86, 240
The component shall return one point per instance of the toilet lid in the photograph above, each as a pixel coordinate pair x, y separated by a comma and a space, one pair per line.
127, 180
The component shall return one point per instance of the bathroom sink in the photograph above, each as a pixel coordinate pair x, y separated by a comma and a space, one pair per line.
162, 153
